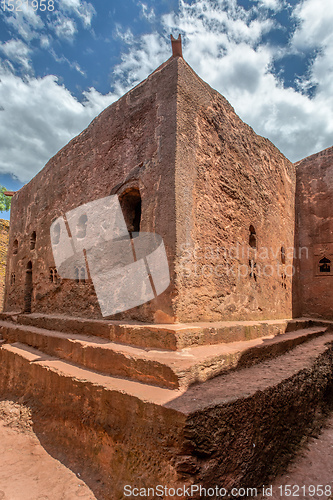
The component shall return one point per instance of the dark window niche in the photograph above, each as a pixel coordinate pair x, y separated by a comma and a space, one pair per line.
53, 275
130, 202
33, 240
252, 237
15, 247
283, 255
324, 265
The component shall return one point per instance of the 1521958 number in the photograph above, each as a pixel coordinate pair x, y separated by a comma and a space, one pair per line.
16, 5
293, 490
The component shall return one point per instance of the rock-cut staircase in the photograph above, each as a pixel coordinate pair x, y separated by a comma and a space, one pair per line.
216, 404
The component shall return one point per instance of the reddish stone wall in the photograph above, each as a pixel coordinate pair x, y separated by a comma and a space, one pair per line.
4, 234
315, 233
227, 179
130, 144
204, 177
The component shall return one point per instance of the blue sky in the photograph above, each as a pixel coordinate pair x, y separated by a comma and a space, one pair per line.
272, 59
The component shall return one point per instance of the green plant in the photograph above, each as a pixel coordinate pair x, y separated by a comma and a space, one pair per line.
5, 201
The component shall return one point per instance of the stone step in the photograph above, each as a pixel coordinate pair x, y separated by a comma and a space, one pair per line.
143, 392
171, 369
141, 435
164, 336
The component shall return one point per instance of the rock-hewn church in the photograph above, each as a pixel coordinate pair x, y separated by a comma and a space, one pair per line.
203, 383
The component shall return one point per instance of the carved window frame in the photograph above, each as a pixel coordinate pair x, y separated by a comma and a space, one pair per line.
318, 273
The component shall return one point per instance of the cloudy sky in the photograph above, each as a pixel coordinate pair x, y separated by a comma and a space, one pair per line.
272, 59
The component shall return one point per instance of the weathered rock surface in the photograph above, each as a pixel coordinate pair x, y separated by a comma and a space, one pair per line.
221, 197
240, 427
315, 234
225, 393
4, 239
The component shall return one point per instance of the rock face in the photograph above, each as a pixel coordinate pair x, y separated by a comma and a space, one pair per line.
221, 197
234, 212
102, 407
315, 234
216, 401
4, 238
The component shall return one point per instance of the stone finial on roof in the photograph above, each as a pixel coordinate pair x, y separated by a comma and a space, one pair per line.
176, 46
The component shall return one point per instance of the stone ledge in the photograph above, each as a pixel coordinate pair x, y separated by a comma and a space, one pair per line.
169, 369
239, 428
171, 336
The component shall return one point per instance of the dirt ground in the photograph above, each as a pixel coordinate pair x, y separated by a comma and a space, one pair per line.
310, 477
27, 471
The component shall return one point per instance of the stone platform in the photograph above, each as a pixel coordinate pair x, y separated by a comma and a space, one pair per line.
227, 412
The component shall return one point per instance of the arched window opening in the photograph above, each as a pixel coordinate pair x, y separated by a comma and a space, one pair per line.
252, 237
76, 274
28, 288
53, 275
56, 234
80, 274
325, 265
12, 279
81, 227
33, 240
15, 247
283, 255
130, 202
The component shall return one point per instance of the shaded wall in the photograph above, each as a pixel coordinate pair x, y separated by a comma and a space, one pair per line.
314, 204
4, 238
131, 144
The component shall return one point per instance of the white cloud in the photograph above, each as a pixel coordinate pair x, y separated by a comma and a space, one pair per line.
315, 21
223, 42
72, 64
39, 117
18, 52
26, 22
275, 5
223, 21
64, 27
84, 10
126, 36
86, 13
147, 13
70, 4
145, 55
314, 32
78, 68
45, 42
